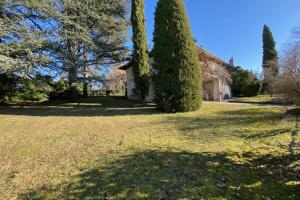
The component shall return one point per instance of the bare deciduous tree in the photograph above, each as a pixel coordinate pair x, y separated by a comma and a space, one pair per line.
288, 81
116, 80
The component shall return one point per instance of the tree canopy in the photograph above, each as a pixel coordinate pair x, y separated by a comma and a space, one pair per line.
54, 35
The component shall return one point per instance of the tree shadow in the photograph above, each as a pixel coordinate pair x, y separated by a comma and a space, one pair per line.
181, 175
236, 120
268, 134
97, 106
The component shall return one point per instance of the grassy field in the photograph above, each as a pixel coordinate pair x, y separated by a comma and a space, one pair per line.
110, 148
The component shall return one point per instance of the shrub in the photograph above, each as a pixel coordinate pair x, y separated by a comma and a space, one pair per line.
251, 88
59, 90
33, 89
8, 87
244, 83
31, 96
37, 88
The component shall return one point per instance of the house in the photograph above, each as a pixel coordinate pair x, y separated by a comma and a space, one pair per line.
216, 78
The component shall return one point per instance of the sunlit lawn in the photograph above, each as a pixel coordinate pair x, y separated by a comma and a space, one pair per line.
109, 148
261, 99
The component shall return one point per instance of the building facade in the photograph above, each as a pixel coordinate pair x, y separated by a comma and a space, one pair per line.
216, 79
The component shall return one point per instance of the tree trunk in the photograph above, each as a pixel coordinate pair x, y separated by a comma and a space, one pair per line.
85, 76
73, 73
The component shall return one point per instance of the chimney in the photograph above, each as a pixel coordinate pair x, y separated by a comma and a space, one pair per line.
231, 62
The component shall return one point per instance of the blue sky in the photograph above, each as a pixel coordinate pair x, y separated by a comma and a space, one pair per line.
234, 27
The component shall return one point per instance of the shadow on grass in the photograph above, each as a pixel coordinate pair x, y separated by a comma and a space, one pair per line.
267, 134
181, 175
94, 106
234, 119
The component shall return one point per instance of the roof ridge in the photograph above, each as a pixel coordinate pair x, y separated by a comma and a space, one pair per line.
128, 65
211, 54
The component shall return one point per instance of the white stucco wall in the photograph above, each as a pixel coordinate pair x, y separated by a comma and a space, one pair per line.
217, 90
226, 90
131, 90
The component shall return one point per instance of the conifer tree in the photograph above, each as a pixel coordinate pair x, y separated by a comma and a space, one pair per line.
177, 76
20, 42
56, 36
270, 59
140, 59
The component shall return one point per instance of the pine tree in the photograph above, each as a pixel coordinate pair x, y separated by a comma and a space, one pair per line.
177, 77
270, 59
140, 59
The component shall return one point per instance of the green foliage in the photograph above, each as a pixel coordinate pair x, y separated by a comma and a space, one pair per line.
251, 87
177, 76
30, 95
140, 58
62, 36
59, 90
8, 87
22, 39
269, 46
33, 89
244, 83
270, 58
41, 87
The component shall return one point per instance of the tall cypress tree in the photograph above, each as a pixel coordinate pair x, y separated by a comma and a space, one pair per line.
178, 85
140, 56
270, 59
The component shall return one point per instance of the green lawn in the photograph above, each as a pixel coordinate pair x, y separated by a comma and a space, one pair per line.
110, 148
261, 99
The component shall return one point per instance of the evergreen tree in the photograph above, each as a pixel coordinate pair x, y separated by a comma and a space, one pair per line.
178, 85
270, 59
140, 59
56, 36
92, 34
21, 37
